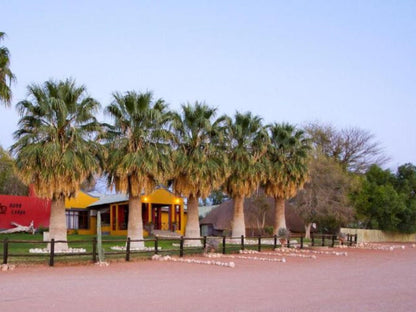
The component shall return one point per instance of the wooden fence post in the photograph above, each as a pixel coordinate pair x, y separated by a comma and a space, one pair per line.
52, 254
333, 241
313, 239
259, 244
205, 243
301, 241
223, 245
156, 245
274, 241
242, 242
5, 250
94, 250
181, 247
128, 249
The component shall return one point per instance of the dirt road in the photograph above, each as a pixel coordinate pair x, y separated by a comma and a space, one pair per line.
365, 280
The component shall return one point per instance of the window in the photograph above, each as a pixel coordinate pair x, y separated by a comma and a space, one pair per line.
105, 218
71, 220
77, 220
83, 220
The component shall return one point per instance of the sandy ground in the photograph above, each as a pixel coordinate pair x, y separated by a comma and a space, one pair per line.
365, 280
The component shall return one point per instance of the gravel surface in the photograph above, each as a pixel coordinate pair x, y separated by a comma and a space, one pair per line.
365, 280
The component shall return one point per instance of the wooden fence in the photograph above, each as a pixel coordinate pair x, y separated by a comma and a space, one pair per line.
330, 239
223, 244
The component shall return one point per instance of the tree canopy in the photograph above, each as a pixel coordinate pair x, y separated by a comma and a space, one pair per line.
354, 148
10, 184
6, 75
386, 201
55, 146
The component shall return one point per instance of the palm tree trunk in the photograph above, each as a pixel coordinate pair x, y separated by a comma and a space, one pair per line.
308, 230
279, 214
57, 224
192, 224
238, 224
135, 222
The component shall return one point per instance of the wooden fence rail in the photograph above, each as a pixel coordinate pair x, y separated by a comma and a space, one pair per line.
221, 242
349, 240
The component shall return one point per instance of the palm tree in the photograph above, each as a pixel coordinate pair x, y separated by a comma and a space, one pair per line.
55, 148
6, 76
199, 163
247, 139
286, 167
137, 151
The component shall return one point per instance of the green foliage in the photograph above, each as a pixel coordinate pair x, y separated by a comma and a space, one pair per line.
325, 195
200, 164
268, 230
283, 233
10, 184
217, 197
56, 149
386, 201
328, 224
138, 140
286, 167
42, 229
247, 141
6, 75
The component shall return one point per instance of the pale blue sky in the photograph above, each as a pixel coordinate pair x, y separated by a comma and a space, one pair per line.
349, 63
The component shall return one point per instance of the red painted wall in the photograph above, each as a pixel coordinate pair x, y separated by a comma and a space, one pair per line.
23, 210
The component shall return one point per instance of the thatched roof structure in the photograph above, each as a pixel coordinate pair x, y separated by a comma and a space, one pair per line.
222, 216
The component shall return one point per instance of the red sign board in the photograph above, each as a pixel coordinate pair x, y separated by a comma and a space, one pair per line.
23, 210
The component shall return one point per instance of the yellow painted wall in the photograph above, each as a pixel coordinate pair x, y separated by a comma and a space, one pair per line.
82, 201
159, 196
162, 196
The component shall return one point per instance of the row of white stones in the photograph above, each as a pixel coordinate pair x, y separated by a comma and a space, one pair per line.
217, 255
124, 248
299, 255
208, 262
373, 246
308, 251
66, 251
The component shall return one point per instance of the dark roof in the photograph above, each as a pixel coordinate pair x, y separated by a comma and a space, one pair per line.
222, 216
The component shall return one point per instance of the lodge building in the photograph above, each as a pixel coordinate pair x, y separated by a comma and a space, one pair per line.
161, 210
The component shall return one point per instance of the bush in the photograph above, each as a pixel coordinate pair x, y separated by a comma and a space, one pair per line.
42, 229
268, 230
283, 233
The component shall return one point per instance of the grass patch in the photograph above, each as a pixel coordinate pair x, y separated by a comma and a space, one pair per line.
20, 243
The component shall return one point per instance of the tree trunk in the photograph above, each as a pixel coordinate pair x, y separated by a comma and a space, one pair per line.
135, 222
308, 230
279, 214
192, 224
20, 228
57, 224
238, 223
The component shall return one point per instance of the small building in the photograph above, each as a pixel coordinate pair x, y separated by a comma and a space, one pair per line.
78, 216
218, 221
161, 210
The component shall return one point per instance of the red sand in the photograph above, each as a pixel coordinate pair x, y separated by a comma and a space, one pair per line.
365, 280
